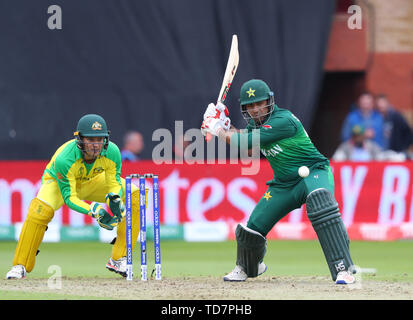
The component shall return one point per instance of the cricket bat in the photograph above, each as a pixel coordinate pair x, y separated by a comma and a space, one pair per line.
232, 65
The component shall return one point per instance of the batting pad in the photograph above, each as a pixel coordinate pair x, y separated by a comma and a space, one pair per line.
323, 212
251, 249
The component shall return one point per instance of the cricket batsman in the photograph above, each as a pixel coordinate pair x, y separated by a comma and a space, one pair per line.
86, 168
287, 146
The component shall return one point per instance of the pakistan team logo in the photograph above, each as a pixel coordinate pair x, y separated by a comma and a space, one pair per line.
250, 92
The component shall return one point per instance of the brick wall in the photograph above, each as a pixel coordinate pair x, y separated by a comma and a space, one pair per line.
391, 69
347, 49
383, 49
393, 25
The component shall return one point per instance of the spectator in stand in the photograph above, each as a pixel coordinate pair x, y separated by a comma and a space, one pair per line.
367, 117
358, 147
132, 146
396, 131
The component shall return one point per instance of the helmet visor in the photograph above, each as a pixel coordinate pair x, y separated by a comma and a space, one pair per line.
259, 113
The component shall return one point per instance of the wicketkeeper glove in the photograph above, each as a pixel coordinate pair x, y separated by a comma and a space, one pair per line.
116, 205
104, 219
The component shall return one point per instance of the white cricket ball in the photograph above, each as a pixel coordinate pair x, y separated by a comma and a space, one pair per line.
303, 171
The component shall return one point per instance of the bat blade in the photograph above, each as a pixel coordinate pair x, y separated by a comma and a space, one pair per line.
231, 69
232, 65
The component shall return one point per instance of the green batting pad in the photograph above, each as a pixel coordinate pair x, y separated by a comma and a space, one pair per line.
323, 212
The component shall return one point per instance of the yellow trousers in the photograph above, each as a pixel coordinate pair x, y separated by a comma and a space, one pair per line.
49, 199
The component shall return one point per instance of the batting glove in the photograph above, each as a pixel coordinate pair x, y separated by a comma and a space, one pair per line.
222, 110
219, 111
215, 116
213, 125
210, 112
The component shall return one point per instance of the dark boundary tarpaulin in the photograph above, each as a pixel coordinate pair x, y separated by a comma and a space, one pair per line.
143, 64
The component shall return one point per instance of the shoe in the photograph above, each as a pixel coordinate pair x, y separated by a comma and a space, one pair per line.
16, 272
262, 268
344, 277
238, 274
118, 266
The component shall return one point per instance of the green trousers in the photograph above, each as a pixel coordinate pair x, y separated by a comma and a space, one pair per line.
279, 200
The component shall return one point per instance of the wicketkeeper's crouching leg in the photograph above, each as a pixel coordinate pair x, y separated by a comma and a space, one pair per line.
38, 217
119, 247
251, 249
117, 262
323, 212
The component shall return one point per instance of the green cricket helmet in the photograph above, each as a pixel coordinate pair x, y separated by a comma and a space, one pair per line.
91, 125
253, 91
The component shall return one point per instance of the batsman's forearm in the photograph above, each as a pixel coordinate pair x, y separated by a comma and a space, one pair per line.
240, 139
226, 135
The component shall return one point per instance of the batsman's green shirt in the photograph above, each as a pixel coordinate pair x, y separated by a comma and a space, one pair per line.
286, 145
69, 169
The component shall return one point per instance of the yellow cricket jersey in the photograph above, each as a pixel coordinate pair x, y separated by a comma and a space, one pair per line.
69, 169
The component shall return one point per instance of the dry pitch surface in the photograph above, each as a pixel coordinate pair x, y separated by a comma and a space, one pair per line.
213, 288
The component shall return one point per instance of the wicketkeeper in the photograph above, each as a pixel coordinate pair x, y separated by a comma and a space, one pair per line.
287, 146
86, 168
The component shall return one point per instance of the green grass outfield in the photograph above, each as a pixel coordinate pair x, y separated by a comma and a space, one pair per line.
393, 260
